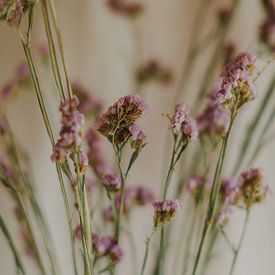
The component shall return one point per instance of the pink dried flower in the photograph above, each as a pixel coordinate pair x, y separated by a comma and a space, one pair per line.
107, 246
130, 10
71, 132
165, 212
252, 187
183, 123
230, 191
154, 70
112, 183
236, 84
89, 104
223, 218
214, 120
115, 123
137, 136
198, 186
95, 152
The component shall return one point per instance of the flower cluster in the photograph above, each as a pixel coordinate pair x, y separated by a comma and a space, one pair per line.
153, 70
223, 218
107, 246
95, 152
89, 105
213, 121
20, 78
130, 10
70, 138
134, 196
165, 212
236, 85
252, 187
12, 11
183, 123
116, 123
230, 191
111, 183
198, 185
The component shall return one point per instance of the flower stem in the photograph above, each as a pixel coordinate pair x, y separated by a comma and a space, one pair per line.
236, 253
213, 198
9, 239
147, 243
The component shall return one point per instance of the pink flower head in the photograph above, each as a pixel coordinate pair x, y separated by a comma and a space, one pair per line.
165, 212
115, 123
214, 120
236, 85
107, 246
252, 186
183, 123
70, 134
154, 70
89, 104
230, 191
112, 183
96, 152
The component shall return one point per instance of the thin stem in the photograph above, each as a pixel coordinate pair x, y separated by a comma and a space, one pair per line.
13, 248
240, 243
147, 243
213, 198
228, 242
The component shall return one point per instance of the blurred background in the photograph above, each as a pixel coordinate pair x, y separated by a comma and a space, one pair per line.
103, 50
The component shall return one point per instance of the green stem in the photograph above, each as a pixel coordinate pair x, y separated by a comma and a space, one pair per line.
253, 126
147, 243
240, 243
213, 198
9, 239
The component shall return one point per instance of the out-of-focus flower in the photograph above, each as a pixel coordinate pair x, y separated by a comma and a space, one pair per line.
107, 246
165, 212
267, 33
112, 183
12, 11
19, 79
236, 84
230, 191
70, 138
153, 70
213, 121
89, 104
230, 50
223, 218
224, 13
198, 186
6, 170
183, 123
95, 152
134, 196
130, 10
115, 123
252, 187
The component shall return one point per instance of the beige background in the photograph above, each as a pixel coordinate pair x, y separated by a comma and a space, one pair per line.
100, 49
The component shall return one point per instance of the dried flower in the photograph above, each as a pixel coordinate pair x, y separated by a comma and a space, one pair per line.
71, 132
89, 105
236, 84
19, 79
95, 152
223, 218
115, 123
137, 136
12, 11
183, 123
153, 70
107, 246
112, 183
252, 187
130, 10
230, 191
267, 32
197, 186
213, 121
165, 212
